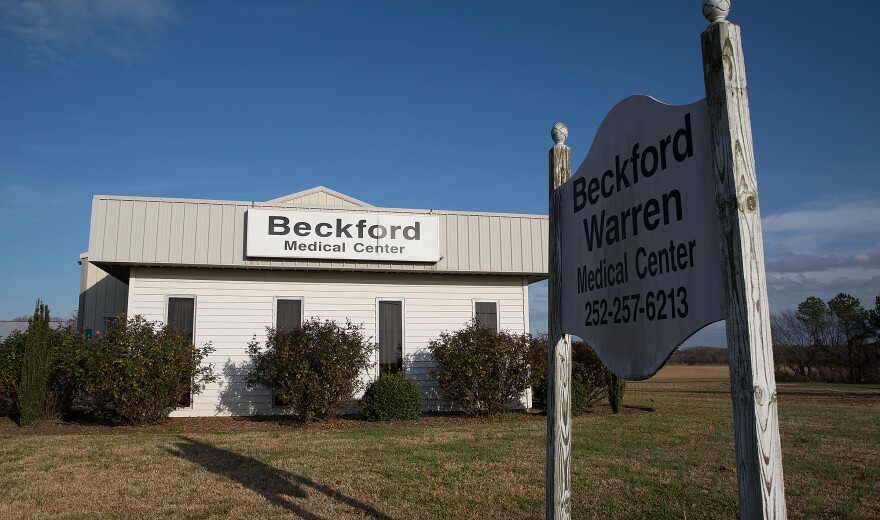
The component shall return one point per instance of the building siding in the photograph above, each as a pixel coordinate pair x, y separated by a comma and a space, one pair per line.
101, 296
235, 305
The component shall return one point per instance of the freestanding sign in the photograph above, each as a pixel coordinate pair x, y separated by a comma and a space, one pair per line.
607, 228
641, 268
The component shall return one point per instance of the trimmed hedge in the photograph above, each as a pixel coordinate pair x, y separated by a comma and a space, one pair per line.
392, 396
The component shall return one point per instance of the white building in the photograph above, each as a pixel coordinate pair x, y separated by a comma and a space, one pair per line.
225, 270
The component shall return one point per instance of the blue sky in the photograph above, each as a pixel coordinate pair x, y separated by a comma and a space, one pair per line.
425, 104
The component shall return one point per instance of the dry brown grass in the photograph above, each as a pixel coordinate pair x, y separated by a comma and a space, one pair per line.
666, 456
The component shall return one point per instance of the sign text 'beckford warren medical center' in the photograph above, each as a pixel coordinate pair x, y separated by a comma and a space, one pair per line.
641, 264
342, 235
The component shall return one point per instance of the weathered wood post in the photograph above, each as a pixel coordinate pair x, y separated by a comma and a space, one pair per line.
558, 483
752, 381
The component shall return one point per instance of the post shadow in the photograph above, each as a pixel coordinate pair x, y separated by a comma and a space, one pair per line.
234, 397
273, 484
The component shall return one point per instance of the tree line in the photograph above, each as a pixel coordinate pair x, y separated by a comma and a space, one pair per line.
835, 341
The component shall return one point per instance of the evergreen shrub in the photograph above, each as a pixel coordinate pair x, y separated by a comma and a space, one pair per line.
392, 396
314, 368
616, 389
36, 365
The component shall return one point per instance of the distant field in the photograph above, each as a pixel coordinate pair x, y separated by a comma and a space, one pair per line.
713, 381
692, 373
668, 455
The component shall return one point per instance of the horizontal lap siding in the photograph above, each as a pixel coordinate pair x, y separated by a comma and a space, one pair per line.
233, 306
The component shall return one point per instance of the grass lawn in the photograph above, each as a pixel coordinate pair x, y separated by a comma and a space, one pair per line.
669, 455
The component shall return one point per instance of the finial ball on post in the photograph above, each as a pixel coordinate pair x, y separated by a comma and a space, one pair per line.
559, 133
716, 10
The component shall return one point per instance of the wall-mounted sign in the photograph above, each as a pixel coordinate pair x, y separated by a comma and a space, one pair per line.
641, 268
342, 236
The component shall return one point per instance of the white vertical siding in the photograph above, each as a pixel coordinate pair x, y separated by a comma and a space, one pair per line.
233, 306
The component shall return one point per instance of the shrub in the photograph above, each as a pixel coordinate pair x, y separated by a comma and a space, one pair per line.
11, 352
392, 396
788, 375
616, 389
481, 369
36, 364
588, 369
68, 371
139, 371
538, 371
579, 398
314, 368
65, 376
588, 374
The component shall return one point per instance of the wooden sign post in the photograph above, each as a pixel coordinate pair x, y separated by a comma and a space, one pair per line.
752, 381
558, 476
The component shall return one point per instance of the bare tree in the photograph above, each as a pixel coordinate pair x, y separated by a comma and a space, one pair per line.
794, 343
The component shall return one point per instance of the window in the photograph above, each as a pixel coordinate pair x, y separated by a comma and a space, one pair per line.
181, 317
390, 336
288, 314
486, 314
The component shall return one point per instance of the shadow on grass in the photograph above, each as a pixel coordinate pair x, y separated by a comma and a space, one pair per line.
633, 407
273, 484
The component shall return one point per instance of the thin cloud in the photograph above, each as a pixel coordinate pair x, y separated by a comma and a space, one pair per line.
822, 248
835, 222
50, 29
788, 262
787, 290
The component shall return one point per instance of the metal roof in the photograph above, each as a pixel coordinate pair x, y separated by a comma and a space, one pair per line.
211, 233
